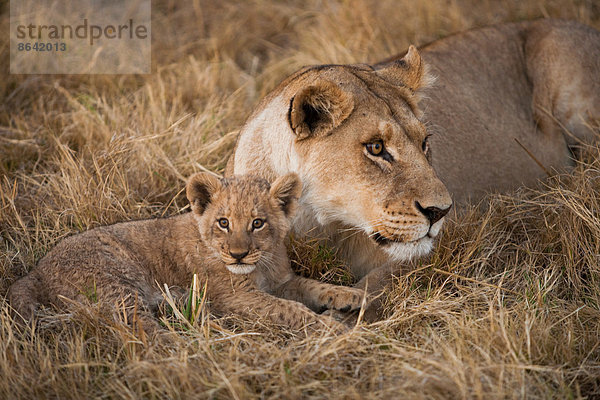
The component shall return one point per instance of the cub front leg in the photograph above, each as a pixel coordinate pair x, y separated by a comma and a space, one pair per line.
280, 311
319, 296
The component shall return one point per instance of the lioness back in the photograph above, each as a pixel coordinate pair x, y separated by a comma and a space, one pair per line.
508, 102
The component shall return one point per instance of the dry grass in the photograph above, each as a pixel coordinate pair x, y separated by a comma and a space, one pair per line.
507, 307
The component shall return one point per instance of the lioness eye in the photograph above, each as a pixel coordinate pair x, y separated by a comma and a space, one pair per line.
223, 223
257, 223
375, 148
425, 145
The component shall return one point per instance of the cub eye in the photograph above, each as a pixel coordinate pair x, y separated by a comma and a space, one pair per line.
258, 223
223, 223
375, 148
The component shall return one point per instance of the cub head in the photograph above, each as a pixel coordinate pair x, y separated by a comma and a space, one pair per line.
355, 136
243, 220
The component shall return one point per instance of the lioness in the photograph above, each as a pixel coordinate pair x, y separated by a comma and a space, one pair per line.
233, 238
507, 103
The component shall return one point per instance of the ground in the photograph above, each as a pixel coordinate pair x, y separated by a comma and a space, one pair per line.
507, 307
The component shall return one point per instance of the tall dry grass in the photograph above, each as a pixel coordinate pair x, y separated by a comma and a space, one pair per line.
508, 306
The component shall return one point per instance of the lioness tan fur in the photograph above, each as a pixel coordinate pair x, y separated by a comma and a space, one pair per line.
383, 149
233, 239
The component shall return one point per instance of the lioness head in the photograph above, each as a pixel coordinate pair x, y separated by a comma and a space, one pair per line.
243, 220
354, 135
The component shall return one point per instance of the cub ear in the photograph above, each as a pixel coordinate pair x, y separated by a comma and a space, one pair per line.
317, 109
285, 191
200, 189
409, 71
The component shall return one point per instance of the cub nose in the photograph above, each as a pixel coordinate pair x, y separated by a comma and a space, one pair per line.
239, 256
433, 214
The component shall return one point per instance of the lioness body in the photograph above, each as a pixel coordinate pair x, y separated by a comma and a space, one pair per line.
495, 111
504, 91
123, 264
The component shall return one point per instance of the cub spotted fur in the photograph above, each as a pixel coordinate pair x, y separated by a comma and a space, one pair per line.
233, 239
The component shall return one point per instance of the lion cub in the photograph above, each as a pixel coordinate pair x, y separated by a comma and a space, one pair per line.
233, 239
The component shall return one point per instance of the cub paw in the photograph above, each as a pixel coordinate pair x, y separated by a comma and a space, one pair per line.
341, 298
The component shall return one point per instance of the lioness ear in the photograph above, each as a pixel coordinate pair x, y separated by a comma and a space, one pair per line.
409, 71
317, 109
285, 191
200, 189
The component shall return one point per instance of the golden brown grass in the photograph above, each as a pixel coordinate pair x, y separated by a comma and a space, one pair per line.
507, 307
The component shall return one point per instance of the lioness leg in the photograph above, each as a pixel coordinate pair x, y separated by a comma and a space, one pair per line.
562, 64
375, 282
319, 296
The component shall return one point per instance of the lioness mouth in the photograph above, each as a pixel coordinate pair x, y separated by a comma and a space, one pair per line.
382, 241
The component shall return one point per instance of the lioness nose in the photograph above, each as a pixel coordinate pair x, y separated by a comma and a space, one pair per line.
238, 255
433, 214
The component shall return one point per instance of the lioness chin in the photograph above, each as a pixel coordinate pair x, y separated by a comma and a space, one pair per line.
233, 239
381, 163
